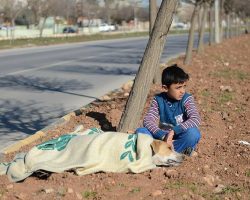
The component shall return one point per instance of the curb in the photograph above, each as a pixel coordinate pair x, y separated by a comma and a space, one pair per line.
41, 133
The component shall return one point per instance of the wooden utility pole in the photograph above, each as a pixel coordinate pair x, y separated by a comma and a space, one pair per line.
144, 78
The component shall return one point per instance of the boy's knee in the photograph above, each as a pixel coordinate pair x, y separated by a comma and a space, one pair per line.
193, 135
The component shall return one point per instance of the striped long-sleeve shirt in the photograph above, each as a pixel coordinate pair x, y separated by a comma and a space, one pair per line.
151, 120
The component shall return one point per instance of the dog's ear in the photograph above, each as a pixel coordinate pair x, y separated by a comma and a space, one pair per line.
160, 147
156, 145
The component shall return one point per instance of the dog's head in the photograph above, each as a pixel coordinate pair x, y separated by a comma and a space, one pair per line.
164, 156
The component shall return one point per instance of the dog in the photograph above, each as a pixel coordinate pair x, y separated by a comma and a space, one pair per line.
92, 151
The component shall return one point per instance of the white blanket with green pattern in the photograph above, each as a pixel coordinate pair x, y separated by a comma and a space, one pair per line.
85, 152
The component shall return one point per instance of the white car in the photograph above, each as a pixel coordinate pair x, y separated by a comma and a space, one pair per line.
106, 27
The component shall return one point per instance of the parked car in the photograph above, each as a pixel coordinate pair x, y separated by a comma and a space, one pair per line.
3, 28
106, 27
69, 30
180, 25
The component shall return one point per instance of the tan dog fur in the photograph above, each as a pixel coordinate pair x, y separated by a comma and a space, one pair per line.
163, 155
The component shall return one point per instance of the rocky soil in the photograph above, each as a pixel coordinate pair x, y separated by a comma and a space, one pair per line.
220, 83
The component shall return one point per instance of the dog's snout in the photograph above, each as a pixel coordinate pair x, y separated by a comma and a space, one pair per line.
180, 157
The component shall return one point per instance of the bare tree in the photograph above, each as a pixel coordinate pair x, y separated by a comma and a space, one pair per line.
10, 11
138, 95
191, 32
202, 28
152, 17
228, 6
108, 10
211, 20
152, 14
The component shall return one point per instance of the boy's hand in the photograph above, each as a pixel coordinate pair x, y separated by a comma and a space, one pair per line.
169, 139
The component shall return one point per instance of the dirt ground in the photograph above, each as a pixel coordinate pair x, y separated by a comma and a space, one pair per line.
220, 80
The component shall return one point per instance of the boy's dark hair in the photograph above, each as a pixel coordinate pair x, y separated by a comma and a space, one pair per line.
173, 74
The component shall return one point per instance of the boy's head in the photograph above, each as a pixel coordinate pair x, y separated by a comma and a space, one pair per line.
173, 74
174, 81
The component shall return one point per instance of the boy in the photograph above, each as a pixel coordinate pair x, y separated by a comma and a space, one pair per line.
176, 111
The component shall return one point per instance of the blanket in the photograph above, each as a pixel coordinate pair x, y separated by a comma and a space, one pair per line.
85, 152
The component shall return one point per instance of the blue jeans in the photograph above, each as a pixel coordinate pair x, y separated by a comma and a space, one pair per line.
184, 142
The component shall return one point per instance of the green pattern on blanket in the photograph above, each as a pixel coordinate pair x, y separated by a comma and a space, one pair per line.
59, 143
131, 143
94, 131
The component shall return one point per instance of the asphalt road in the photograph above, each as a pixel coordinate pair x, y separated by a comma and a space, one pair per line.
40, 84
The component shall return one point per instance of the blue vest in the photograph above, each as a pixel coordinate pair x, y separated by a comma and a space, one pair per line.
171, 111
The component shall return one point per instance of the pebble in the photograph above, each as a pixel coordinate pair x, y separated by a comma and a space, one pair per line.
225, 115
78, 196
171, 173
48, 190
156, 193
226, 88
219, 189
105, 98
127, 86
238, 195
205, 169
126, 94
61, 191
21, 196
70, 190
209, 180
10, 186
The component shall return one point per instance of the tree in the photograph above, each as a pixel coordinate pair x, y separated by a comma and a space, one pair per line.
143, 80
217, 21
228, 6
152, 17
152, 14
202, 28
211, 17
108, 10
191, 32
11, 9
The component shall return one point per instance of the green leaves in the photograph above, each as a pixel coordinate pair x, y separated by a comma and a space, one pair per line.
131, 143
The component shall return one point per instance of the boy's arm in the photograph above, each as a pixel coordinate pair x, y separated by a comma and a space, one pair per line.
193, 117
151, 121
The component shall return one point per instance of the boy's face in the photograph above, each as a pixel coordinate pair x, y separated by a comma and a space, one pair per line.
175, 90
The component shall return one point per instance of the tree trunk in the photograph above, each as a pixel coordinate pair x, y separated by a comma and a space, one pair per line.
191, 35
216, 21
199, 19
228, 26
221, 20
202, 29
12, 31
143, 80
42, 26
211, 29
152, 16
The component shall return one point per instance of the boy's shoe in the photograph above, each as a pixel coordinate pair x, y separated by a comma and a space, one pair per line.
194, 154
188, 151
